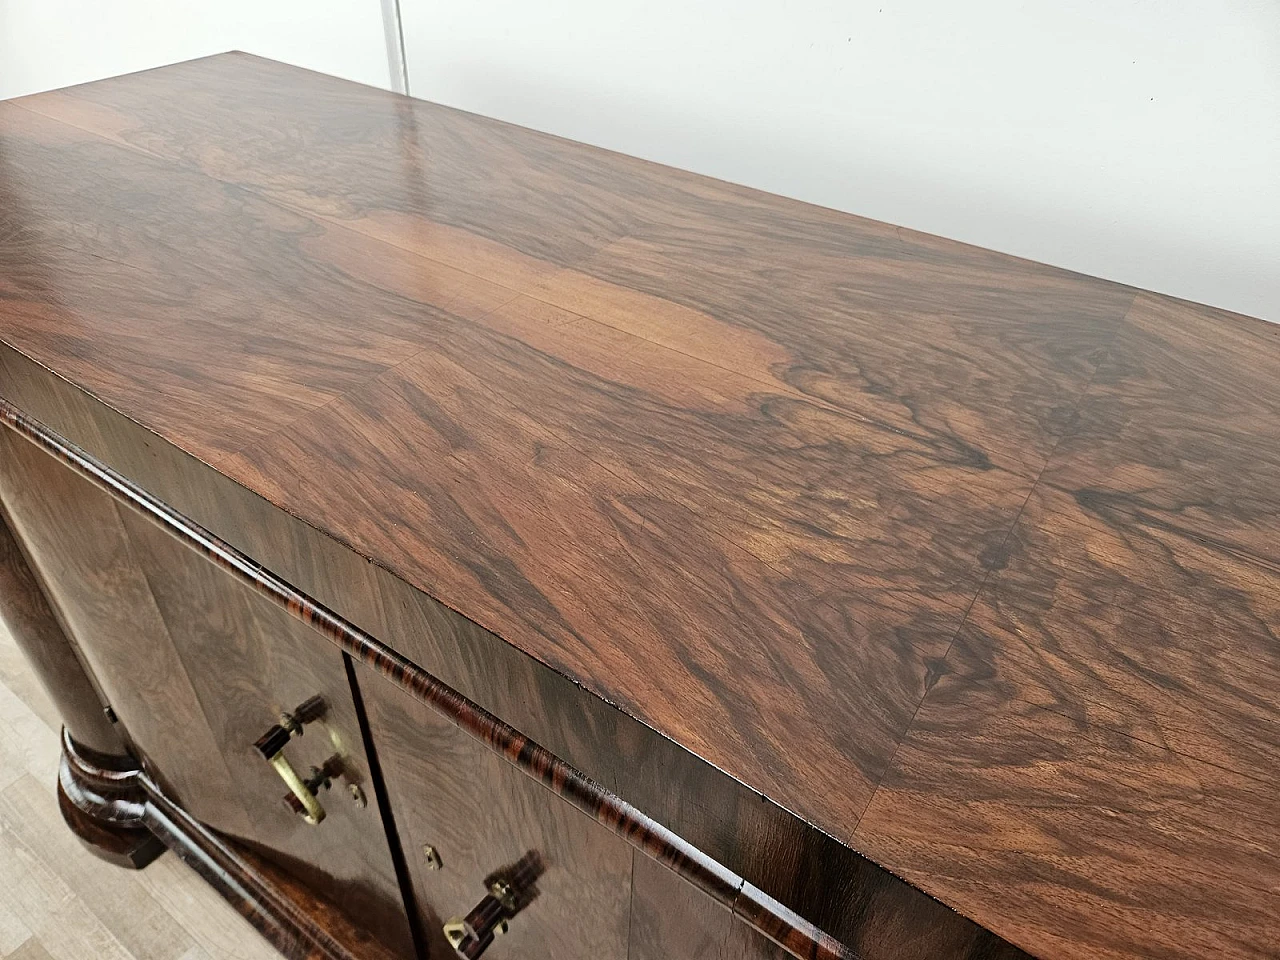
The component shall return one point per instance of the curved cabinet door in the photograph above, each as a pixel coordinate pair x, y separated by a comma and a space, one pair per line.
465, 816
249, 661
75, 539
198, 667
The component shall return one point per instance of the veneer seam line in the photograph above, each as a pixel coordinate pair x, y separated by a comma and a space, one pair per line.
906, 733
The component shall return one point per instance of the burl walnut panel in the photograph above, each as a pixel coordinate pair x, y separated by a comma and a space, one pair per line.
858, 516
248, 662
768, 917
1105, 744
77, 542
714, 533
481, 815
812, 874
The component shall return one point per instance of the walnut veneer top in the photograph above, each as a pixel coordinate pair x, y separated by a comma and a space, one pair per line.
972, 562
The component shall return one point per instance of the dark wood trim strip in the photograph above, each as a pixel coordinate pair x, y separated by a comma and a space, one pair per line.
793, 934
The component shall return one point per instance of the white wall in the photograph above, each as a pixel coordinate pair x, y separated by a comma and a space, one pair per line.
1132, 139
52, 43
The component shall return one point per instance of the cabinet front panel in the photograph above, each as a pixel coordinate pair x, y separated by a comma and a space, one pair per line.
76, 540
673, 920
464, 815
249, 662
197, 667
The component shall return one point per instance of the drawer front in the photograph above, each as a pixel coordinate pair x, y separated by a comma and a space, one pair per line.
465, 816
198, 667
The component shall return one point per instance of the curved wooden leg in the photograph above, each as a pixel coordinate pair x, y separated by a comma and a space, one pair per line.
103, 802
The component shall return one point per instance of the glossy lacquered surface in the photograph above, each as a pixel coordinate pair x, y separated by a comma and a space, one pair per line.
404, 732
197, 667
107, 806
26, 613
968, 561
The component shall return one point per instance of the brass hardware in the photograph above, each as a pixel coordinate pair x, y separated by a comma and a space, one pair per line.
302, 793
502, 891
510, 891
465, 940
308, 711
455, 931
357, 795
432, 856
471, 935
301, 790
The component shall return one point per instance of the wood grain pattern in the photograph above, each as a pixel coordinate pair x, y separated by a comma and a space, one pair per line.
1103, 742
738, 465
301, 924
59, 293
640, 831
1132, 626
110, 613
816, 876
249, 661
671, 920
628, 506
197, 668
1082, 840
483, 816
26, 613
741, 262
646, 503
694, 441
1180, 431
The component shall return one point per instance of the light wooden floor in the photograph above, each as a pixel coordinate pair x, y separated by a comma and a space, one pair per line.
57, 902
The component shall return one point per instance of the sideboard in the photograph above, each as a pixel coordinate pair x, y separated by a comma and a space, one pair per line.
452, 539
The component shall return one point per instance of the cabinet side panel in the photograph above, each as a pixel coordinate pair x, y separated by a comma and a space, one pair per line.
26, 613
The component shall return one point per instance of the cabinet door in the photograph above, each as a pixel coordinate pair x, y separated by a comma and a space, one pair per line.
673, 920
198, 667
464, 816
249, 661
75, 538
